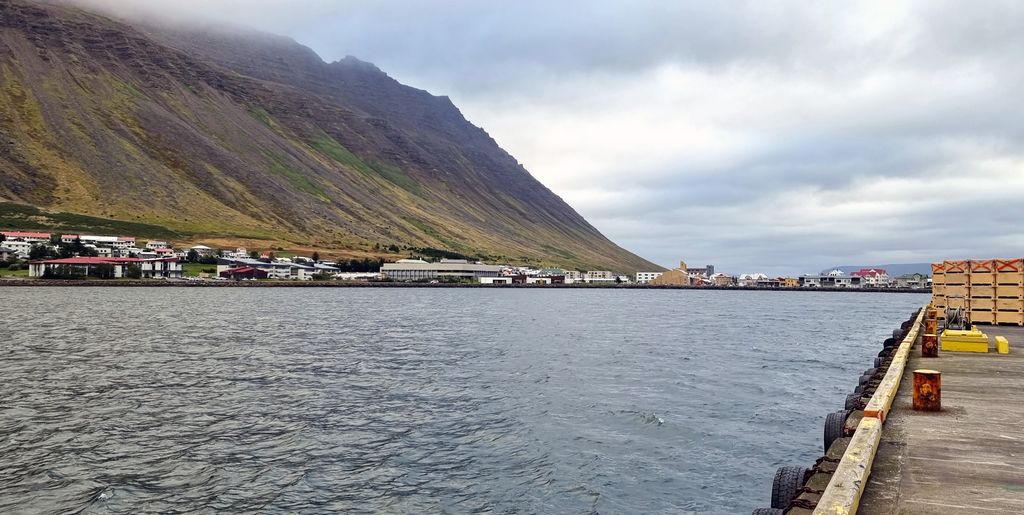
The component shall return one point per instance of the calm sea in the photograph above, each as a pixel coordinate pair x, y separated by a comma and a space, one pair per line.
125, 400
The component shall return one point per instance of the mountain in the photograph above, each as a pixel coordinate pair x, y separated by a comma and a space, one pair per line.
894, 270
234, 136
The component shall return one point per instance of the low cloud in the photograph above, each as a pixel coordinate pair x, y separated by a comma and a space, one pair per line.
781, 137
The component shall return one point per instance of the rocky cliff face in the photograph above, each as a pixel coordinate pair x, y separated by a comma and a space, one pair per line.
236, 134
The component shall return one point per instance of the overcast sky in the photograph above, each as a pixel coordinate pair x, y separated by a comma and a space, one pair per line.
777, 137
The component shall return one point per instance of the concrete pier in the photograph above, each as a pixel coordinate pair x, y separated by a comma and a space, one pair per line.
966, 458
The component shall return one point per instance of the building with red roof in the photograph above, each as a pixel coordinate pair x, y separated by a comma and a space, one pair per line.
26, 236
873, 277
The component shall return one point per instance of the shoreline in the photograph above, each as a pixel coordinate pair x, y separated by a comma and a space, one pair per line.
158, 283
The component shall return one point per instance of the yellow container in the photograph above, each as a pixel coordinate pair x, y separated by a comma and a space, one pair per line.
964, 341
1002, 345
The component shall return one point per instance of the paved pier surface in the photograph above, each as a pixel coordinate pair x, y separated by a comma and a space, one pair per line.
968, 458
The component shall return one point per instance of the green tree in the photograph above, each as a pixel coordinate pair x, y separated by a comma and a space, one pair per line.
104, 271
39, 251
2, 238
192, 256
133, 272
316, 257
255, 254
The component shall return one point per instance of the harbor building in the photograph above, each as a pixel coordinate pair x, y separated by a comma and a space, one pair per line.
419, 270
675, 277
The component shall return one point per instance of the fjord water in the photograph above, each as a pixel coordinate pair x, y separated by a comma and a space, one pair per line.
129, 400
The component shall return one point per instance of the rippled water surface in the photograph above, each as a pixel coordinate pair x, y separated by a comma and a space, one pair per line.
123, 400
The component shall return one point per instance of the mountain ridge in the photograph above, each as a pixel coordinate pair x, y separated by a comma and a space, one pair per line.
213, 134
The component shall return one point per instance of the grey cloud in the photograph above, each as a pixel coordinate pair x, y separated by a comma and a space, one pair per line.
921, 95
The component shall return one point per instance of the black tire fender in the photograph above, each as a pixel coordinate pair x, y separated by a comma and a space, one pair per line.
852, 401
788, 480
834, 423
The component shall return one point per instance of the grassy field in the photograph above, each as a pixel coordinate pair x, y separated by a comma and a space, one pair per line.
194, 269
21, 274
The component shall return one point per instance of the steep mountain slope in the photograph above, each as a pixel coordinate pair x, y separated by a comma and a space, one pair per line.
233, 134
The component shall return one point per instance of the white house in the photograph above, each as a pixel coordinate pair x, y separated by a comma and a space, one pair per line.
21, 248
116, 242
599, 276
750, 280
873, 277
202, 250
647, 277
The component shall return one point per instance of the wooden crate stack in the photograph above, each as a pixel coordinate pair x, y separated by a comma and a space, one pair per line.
939, 289
981, 291
1009, 290
991, 290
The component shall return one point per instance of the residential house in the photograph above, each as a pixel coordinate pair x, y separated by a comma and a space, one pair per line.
913, 281
720, 280
598, 276
572, 276
872, 277
834, 279
647, 277
31, 237
21, 248
6, 253
750, 280
114, 242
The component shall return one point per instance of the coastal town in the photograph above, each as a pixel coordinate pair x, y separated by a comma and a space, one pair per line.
85, 256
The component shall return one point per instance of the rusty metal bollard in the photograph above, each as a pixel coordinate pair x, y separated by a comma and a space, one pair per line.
927, 390
931, 314
930, 326
929, 346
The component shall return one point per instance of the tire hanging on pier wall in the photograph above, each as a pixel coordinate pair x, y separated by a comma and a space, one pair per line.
788, 480
834, 424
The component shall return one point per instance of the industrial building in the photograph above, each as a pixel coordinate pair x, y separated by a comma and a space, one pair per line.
419, 270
